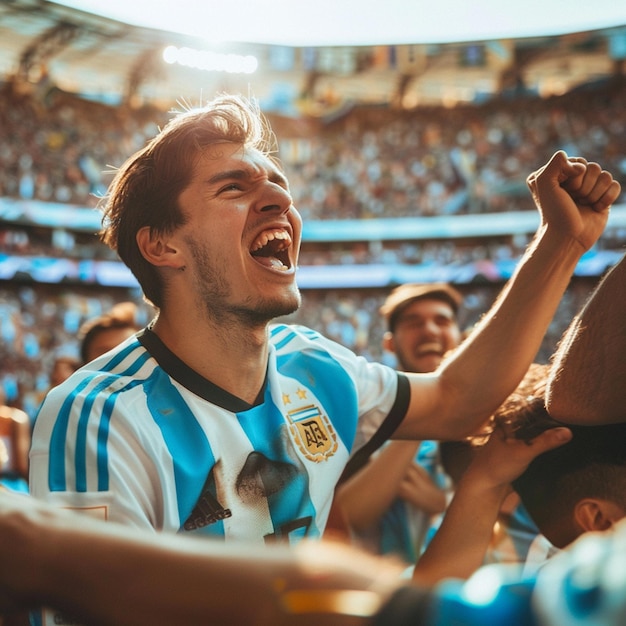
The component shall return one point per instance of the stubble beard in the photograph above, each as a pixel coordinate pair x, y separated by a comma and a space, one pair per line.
214, 294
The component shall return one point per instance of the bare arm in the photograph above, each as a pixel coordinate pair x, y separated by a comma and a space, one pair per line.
16, 422
587, 384
573, 198
458, 549
366, 496
105, 573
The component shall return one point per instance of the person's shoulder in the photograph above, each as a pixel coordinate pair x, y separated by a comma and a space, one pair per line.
122, 363
125, 359
13, 413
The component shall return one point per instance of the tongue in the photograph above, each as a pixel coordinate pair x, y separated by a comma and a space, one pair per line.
269, 261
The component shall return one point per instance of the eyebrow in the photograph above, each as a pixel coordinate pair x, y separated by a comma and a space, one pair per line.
238, 174
415, 315
244, 174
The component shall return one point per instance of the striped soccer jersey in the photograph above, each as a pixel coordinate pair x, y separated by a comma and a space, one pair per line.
139, 438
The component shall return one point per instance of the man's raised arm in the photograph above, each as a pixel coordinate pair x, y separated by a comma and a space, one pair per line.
573, 197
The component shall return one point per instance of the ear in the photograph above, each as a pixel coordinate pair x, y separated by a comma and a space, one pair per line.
595, 514
158, 249
388, 342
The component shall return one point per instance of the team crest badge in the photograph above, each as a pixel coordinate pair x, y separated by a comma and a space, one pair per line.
313, 433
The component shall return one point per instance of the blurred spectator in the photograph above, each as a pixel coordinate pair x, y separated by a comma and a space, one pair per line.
62, 367
14, 446
103, 333
390, 502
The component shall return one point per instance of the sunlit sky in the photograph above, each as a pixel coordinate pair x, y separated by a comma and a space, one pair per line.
361, 22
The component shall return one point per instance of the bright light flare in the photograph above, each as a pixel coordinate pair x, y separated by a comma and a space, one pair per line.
211, 61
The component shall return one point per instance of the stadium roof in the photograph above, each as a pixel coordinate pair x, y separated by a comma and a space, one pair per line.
361, 22
451, 51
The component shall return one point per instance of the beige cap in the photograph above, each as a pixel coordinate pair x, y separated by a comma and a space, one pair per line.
403, 295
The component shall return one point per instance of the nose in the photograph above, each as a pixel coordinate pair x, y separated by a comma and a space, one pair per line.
431, 328
275, 198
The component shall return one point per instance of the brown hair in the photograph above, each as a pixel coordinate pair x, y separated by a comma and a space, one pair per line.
122, 315
146, 188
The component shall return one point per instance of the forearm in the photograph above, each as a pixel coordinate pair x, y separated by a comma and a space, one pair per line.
368, 494
190, 585
103, 573
458, 548
490, 363
78, 566
163, 585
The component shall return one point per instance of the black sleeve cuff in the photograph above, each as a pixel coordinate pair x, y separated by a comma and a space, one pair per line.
387, 428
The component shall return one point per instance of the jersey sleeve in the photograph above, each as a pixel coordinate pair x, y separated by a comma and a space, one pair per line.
86, 455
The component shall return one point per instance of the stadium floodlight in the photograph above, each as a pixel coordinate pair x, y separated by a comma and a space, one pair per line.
211, 61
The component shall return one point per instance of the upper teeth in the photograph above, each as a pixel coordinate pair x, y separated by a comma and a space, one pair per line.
429, 347
270, 235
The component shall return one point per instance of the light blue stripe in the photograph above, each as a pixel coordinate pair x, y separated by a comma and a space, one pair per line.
309, 333
187, 444
80, 459
330, 382
285, 340
103, 434
305, 413
57, 478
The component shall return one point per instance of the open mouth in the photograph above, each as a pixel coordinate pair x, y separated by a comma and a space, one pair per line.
271, 249
430, 348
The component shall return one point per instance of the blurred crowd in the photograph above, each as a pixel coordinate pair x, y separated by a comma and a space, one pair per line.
469, 159
372, 162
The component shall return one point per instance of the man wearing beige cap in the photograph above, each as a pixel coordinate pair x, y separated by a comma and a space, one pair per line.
395, 503
422, 324
390, 502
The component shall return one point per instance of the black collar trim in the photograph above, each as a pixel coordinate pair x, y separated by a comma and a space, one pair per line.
190, 379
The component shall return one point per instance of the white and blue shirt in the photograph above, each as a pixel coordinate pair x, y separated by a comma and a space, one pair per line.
138, 437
